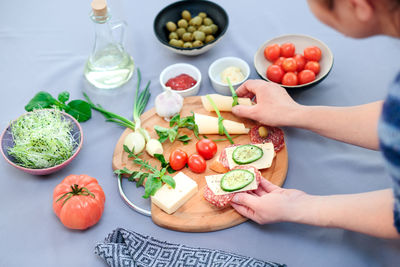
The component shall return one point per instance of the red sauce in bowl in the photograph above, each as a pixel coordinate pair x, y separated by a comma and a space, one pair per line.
181, 82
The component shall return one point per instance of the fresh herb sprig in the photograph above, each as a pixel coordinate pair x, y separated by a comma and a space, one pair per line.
175, 123
234, 95
154, 177
78, 109
221, 128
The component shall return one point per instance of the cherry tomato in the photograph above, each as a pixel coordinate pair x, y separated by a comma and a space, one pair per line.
272, 52
300, 61
313, 66
290, 78
275, 73
197, 163
279, 61
306, 76
289, 64
312, 53
287, 50
206, 148
178, 159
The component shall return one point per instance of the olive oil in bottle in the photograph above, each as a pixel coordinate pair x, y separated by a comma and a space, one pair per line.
109, 66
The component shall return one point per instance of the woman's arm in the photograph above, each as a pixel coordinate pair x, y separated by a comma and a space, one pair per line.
355, 125
369, 213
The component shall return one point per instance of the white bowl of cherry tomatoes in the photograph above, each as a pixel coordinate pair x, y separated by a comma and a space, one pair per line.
293, 61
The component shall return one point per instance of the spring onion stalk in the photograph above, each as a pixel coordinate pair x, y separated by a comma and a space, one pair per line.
140, 138
42, 139
221, 127
234, 95
225, 139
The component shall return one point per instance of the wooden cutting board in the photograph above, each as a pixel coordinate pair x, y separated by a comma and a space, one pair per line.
196, 215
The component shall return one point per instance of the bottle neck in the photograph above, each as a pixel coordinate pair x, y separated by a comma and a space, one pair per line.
100, 19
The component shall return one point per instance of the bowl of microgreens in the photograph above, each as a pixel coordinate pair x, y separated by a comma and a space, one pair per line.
42, 141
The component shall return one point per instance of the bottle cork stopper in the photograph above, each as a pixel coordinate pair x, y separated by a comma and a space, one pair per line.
99, 8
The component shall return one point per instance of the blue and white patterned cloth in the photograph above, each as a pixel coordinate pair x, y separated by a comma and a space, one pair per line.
389, 139
127, 248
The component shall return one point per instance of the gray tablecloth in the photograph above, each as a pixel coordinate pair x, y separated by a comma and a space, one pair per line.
44, 46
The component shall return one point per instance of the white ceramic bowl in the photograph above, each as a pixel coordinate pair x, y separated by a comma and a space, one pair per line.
300, 42
219, 65
181, 68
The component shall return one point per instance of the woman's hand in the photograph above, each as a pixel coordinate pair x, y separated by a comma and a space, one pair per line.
274, 105
268, 204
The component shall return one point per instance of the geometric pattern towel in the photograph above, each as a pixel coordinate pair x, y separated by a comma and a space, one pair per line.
123, 248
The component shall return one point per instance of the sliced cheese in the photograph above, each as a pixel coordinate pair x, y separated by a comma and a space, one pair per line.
223, 103
214, 183
262, 163
170, 199
209, 125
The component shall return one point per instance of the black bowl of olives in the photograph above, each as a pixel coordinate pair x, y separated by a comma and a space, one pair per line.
191, 27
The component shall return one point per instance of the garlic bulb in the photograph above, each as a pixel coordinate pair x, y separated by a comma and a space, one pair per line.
168, 104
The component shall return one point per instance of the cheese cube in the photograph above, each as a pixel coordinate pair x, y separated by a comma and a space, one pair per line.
262, 163
170, 199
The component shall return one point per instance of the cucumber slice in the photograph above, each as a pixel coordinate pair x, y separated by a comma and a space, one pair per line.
236, 179
246, 154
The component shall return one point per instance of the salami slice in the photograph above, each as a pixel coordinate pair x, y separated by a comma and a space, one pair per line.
222, 201
275, 135
222, 157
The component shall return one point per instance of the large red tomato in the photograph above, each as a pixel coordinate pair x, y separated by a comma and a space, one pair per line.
197, 163
78, 201
178, 159
206, 148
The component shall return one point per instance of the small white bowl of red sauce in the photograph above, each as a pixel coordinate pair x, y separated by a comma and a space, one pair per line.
181, 78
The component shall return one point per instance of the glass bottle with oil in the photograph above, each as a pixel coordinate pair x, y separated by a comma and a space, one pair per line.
109, 65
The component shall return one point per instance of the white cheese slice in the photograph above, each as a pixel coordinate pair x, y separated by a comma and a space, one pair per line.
223, 103
209, 125
214, 183
170, 199
262, 163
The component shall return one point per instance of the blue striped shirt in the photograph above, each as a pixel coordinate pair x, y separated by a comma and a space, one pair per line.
389, 141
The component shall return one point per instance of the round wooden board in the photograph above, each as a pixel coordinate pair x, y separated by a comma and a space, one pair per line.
196, 215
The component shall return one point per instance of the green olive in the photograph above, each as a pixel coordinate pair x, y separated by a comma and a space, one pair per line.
188, 45
173, 35
171, 26
214, 28
180, 32
209, 38
201, 28
191, 29
207, 21
182, 23
197, 43
207, 30
202, 15
199, 36
187, 37
196, 21
177, 43
186, 15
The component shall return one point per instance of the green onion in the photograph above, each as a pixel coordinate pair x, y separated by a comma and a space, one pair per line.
221, 127
234, 95
42, 139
